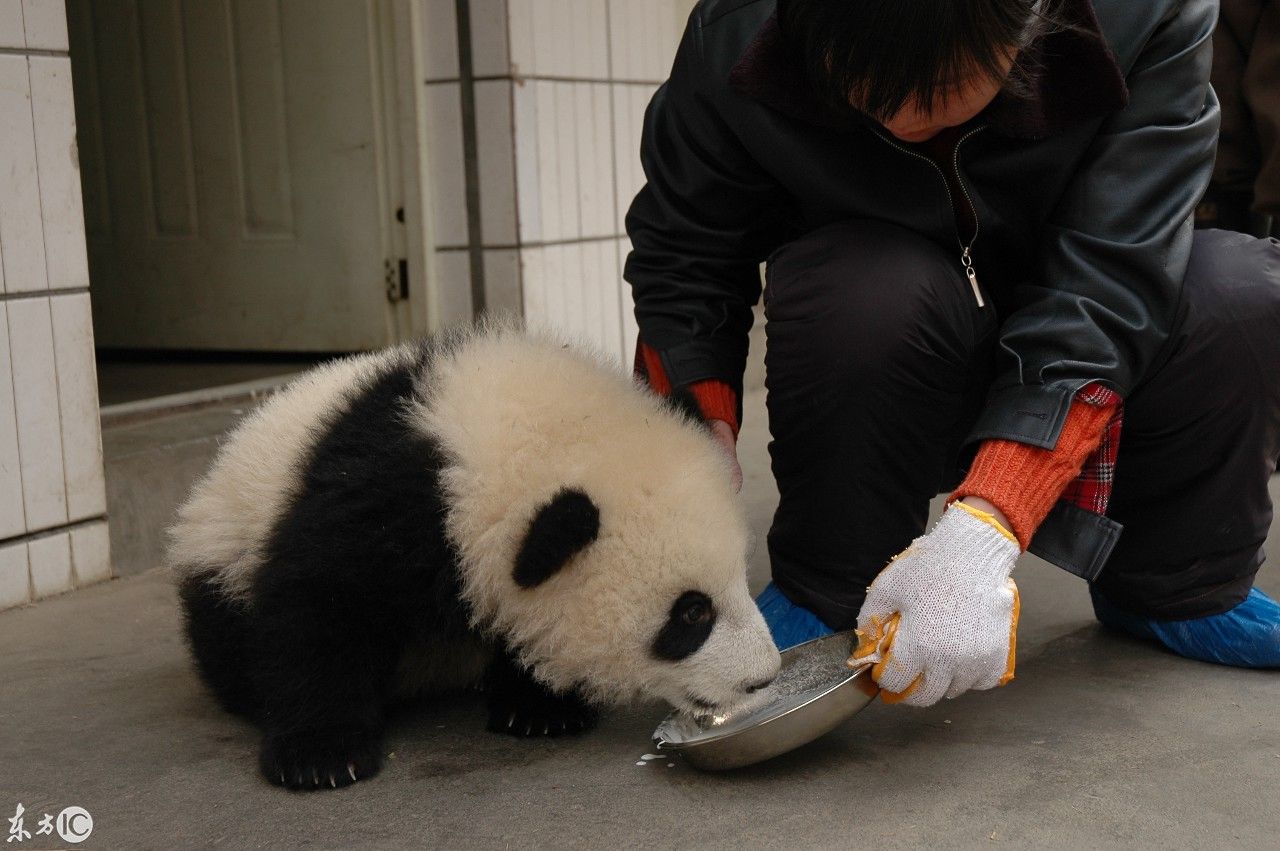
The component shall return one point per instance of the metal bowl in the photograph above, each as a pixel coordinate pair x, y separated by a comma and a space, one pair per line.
815, 692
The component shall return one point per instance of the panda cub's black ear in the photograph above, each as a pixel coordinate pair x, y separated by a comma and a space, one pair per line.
561, 528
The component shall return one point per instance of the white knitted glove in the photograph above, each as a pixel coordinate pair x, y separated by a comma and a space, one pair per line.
942, 618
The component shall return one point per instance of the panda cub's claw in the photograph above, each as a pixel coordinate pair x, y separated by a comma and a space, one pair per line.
526, 709
543, 716
311, 760
521, 706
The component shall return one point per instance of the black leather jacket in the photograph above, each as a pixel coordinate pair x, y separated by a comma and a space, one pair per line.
1083, 196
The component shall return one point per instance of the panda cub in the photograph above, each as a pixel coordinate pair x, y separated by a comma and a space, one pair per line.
492, 509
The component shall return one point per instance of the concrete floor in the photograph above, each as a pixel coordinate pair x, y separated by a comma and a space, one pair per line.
1100, 742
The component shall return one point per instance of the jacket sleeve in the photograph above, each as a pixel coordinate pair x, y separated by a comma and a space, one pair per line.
699, 228
1116, 249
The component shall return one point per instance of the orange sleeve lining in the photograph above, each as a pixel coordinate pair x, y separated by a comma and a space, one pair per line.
715, 399
1025, 481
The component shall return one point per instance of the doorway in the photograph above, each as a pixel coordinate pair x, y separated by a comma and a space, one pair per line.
243, 166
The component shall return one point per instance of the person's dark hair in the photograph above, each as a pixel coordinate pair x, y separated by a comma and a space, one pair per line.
886, 53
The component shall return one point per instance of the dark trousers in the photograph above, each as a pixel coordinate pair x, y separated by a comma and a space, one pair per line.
1246, 76
879, 360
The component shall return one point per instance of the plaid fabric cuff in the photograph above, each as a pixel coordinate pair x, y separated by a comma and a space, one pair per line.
1091, 490
1025, 481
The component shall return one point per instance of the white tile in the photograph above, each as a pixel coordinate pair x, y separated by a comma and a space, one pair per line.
502, 289
573, 313
448, 187
579, 59
639, 100
91, 554
440, 39
605, 284
520, 37
664, 42
567, 159
584, 170
619, 39
490, 55
12, 516
78, 406
495, 161
15, 576
602, 109
567, 47
656, 47
452, 300
670, 30
546, 38
627, 306
548, 191
35, 391
683, 11
598, 49
553, 274
624, 149
46, 24
11, 33
626, 19
528, 178
640, 39
21, 232
61, 208
597, 176
50, 559
590, 40
589, 293
533, 287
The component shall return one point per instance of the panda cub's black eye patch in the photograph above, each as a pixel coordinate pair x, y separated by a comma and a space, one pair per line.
689, 624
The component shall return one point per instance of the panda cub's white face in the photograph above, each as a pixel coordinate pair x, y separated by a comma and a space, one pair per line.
597, 528
606, 606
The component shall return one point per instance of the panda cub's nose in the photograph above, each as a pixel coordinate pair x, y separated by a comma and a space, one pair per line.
755, 687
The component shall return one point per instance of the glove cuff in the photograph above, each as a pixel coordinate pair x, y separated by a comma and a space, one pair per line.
985, 517
967, 538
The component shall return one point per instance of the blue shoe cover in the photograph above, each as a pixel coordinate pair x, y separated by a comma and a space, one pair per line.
789, 624
1247, 636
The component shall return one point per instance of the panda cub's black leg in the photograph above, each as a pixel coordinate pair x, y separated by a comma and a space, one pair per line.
521, 706
324, 670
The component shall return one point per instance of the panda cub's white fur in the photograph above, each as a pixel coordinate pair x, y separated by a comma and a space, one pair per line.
223, 526
492, 489
520, 418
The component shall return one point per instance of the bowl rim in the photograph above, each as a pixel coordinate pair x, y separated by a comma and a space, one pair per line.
854, 673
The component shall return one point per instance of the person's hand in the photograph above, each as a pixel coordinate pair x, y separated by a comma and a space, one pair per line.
723, 434
942, 618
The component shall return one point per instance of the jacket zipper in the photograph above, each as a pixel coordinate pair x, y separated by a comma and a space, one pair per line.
966, 258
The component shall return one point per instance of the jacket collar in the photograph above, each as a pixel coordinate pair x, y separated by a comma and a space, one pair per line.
1074, 78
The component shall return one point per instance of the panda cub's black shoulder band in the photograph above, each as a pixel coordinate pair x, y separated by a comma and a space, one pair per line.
561, 528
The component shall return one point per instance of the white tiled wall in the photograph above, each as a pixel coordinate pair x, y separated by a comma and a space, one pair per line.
53, 534
560, 92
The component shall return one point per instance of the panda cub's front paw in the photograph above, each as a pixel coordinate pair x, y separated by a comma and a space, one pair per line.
320, 759
532, 714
